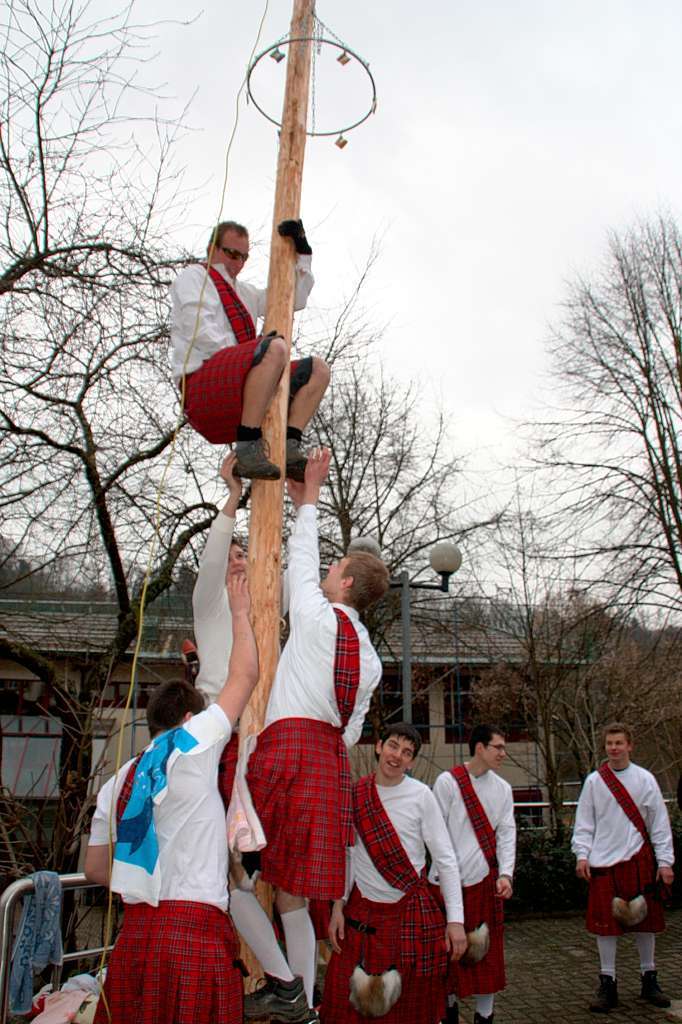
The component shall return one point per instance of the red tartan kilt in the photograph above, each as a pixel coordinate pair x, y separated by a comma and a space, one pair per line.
488, 975
293, 777
174, 962
320, 914
422, 1000
627, 879
213, 393
227, 768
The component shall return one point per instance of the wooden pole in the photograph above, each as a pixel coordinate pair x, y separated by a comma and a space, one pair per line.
265, 531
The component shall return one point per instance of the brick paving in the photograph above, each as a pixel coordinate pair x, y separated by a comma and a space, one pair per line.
552, 974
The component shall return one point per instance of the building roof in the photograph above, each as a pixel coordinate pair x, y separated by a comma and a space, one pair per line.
443, 631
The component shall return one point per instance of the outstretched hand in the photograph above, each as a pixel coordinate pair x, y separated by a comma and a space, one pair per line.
233, 482
238, 594
316, 472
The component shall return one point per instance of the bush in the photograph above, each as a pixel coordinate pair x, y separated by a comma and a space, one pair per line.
545, 879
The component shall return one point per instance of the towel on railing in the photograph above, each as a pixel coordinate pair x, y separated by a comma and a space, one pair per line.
39, 938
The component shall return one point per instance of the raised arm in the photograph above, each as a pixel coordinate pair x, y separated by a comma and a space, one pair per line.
304, 553
242, 673
209, 589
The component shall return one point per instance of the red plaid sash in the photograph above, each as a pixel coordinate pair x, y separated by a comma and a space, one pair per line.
346, 682
422, 923
126, 789
236, 312
623, 798
485, 833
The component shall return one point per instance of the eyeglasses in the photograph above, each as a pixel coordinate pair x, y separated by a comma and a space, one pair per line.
234, 254
497, 746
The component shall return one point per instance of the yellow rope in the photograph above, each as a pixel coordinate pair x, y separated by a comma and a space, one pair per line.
159, 495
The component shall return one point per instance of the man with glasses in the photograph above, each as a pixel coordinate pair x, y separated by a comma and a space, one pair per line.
230, 375
478, 807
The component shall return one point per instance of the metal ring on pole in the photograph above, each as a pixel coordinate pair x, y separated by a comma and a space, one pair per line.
327, 42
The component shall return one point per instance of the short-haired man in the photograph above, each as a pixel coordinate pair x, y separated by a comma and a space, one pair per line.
623, 844
230, 374
298, 775
478, 807
392, 923
175, 957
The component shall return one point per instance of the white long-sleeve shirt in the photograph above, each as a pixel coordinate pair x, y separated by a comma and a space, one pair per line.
416, 818
214, 331
603, 834
212, 615
498, 803
304, 681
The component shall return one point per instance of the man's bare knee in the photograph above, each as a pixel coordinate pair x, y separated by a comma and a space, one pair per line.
277, 353
321, 374
286, 902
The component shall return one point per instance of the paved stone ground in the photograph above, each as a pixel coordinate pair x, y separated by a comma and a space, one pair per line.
552, 973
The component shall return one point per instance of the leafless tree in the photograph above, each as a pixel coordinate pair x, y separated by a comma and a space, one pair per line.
87, 410
573, 663
613, 448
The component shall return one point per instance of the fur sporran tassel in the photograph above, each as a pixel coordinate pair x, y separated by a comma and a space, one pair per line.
629, 914
478, 944
373, 995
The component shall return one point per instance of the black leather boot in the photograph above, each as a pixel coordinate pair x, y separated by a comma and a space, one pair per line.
652, 992
483, 1020
452, 1015
607, 995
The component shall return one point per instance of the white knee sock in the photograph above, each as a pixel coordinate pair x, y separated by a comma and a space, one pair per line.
255, 927
646, 944
301, 947
484, 1004
606, 944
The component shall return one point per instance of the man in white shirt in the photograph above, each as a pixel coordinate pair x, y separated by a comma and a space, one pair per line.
478, 807
298, 775
392, 925
163, 819
230, 375
223, 557
624, 848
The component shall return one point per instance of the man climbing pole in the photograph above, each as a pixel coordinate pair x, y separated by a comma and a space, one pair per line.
298, 775
231, 374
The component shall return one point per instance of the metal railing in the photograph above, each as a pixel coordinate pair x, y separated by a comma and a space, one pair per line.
8, 902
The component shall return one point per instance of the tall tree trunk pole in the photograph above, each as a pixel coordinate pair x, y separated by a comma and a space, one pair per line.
265, 531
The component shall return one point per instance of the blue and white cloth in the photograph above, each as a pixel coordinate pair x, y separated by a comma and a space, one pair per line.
39, 938
135, 870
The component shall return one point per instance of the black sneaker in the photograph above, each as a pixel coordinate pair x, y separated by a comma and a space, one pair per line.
652, 991
478, 1019
296, 460
253, 462
607, 995
278, 1000
451, 1015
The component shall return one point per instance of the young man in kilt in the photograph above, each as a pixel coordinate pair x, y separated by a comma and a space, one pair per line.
299, 775
392, 923
623, 844
175, 958
222, 557
478, 808
230, 374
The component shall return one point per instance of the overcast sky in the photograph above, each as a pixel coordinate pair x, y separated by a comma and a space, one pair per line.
508, 139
